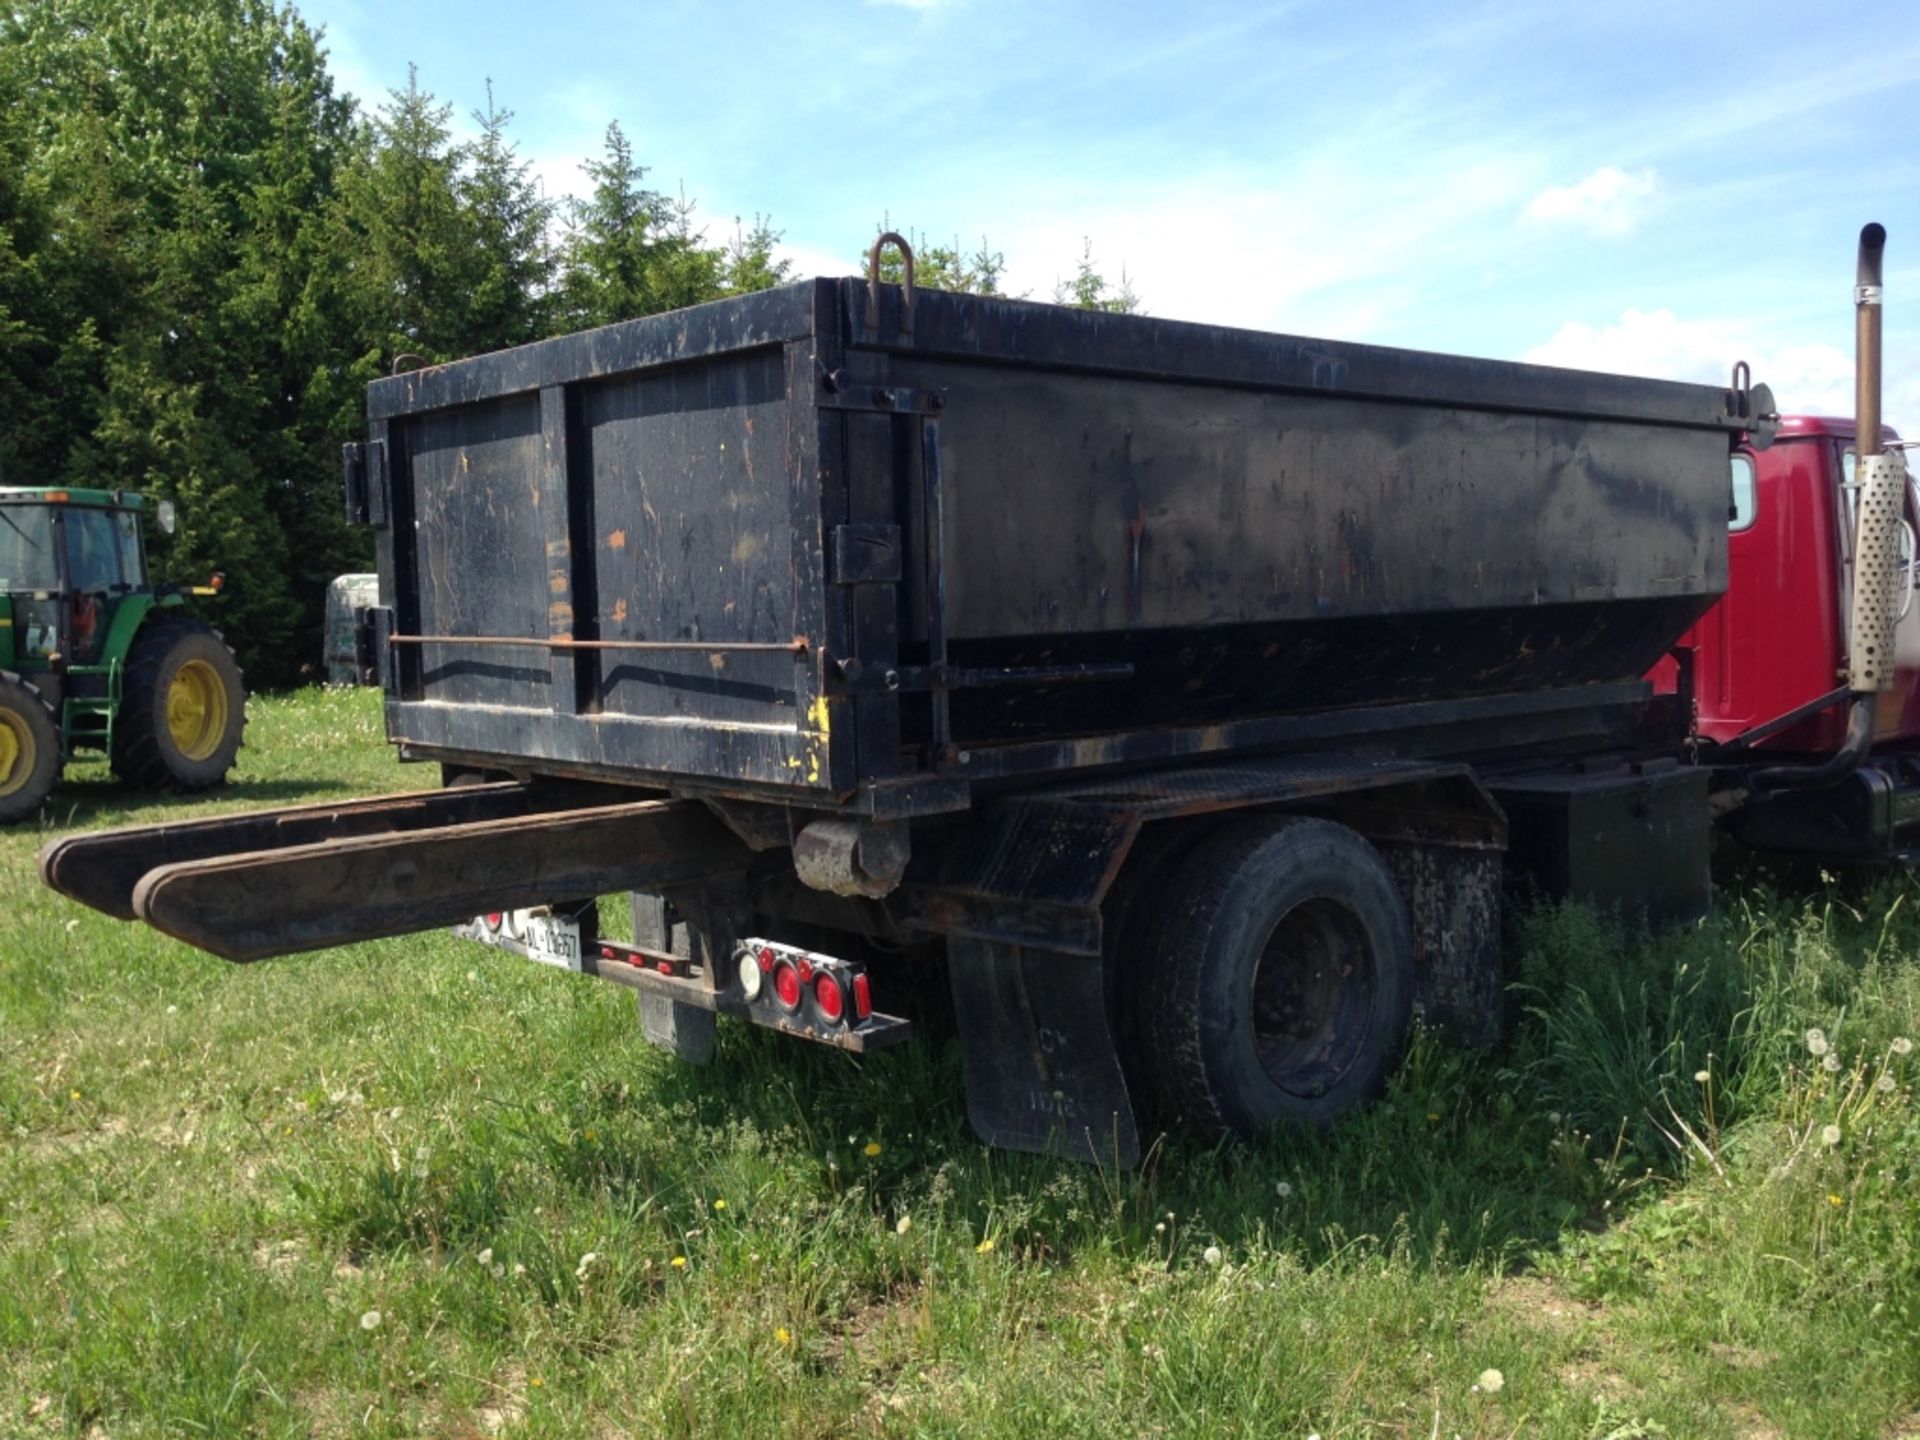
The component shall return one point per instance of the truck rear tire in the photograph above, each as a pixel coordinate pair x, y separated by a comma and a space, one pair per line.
182, 709
29, 749
1276, 984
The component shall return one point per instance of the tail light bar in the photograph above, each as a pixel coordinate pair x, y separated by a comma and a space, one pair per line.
801, 992
803, 987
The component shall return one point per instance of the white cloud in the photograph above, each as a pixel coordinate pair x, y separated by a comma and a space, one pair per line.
1607, 202
1814, 379
1330, 250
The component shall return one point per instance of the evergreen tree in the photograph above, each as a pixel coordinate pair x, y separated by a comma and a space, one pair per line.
749, 262
1088, 289
511, 298
401, 216
167, 168
634, 251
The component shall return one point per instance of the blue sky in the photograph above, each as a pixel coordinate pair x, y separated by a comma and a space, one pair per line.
1659, 189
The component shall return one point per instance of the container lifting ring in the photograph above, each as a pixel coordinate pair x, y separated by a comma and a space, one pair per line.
873, 286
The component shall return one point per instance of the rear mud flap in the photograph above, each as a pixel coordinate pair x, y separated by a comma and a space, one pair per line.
1042, 1069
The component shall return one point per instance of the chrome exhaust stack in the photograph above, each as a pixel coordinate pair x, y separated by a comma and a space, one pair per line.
1881, 481
1881, 477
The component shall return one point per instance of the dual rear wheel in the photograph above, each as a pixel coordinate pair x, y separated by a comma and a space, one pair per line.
1270, 978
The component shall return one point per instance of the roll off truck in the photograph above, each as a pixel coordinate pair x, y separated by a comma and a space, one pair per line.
1196, 695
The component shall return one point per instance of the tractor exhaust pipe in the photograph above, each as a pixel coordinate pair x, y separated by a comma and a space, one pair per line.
1880, 478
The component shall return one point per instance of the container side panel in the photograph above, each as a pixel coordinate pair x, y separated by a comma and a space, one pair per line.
1079, 505
480, 551
693, 538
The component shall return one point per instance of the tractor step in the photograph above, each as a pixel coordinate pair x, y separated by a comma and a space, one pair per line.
279, 882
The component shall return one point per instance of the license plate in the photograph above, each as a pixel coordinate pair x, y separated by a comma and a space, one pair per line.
537, 935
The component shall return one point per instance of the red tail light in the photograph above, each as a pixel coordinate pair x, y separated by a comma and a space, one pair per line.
862, 998
786, 984
828, 997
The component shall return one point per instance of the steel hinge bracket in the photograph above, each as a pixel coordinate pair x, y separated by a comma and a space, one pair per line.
363, 473
839, 391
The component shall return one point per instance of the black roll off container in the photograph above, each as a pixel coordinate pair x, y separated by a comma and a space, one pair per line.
1195, 691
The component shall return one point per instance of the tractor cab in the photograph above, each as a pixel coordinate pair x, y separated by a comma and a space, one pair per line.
93, 656
68, 559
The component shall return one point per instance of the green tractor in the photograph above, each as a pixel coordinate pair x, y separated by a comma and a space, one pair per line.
95, 657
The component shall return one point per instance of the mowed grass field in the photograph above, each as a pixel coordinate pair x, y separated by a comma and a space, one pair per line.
415, 1188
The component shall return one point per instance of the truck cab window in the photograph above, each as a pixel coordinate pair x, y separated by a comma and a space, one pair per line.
1744, 507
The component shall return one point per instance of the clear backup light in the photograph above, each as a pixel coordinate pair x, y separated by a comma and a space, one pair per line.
752, 977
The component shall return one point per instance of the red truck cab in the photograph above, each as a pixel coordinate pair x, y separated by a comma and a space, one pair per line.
1769, 658
1776, 641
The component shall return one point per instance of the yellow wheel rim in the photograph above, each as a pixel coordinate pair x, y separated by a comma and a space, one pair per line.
17, 753
196, 710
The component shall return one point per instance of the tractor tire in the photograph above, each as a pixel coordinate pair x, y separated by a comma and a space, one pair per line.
1277, 984
183, 707
29, 749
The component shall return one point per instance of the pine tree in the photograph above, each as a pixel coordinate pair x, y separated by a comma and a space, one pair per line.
511, 298
1088, 289
402, 218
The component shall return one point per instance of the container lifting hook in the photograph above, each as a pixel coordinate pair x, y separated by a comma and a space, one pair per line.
873, 286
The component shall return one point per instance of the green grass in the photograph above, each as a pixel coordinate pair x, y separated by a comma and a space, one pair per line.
214, 1176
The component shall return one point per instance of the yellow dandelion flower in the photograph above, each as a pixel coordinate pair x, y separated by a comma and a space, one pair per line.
873, 1149
783, 1335
536, 1382
73, 1094
679, 1262
985, 1247
1835, 1201
719, 1204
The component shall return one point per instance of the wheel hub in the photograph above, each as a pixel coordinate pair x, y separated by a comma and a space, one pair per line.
17, 753
1313, 997
196, 710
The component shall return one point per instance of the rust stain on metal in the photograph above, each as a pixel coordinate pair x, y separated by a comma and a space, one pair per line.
617, 540
620, 611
